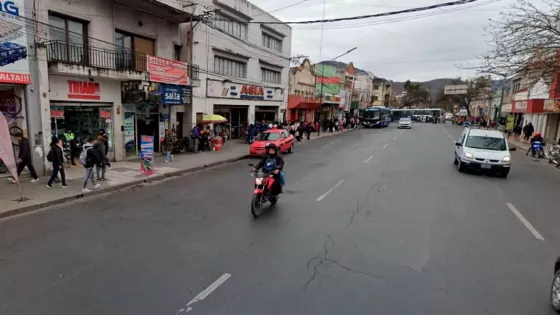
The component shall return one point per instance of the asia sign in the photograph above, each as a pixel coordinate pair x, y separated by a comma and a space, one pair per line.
14, 67
167, 71
84, 90
244, 91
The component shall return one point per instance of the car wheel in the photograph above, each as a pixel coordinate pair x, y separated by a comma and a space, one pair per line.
555, 292
503, 174
460, 166
455, 160
291, 149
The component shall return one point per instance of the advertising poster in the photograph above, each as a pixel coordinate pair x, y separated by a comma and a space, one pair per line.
6, 150
14, 67
167, 71
510, 120
147, 155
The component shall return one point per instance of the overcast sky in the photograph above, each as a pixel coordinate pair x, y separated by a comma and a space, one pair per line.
400, 47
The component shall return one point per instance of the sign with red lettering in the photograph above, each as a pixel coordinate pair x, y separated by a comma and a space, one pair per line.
252, 92
57, 113
15, 78
14, 65
167, 71
105, 114
84, 90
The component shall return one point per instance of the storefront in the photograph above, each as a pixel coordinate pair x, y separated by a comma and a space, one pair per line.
243, 104
330, 106
150, 107
84, 107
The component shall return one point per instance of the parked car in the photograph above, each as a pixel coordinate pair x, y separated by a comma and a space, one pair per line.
483, 150
280, 137
405, 122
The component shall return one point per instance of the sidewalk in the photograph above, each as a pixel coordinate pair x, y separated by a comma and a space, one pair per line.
518, 143
124, 174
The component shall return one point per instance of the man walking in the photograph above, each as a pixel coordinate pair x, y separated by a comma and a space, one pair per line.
195, 136
57, 158
101, 151
24, 158
90, 158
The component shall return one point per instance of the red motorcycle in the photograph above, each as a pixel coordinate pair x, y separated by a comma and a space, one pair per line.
263, 192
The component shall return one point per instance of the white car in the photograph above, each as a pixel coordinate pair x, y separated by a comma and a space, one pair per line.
405, 123
483, 150
448, 116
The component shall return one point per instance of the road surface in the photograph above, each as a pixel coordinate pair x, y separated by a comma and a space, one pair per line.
372, 222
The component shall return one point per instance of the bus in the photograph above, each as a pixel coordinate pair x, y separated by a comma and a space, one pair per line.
375, 116
416, 113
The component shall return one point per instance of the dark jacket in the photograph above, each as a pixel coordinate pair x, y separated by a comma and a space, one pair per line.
24, 150
101, 151
106, 143
540, 139
279, 162
57, 155
168, 143
528, 129
93, 156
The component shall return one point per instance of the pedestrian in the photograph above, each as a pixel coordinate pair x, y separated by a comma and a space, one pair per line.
24, 158
71, 140
106, 143
167, 145
308, 130
528, 131
251, 134
102, 151
195, 136
56, 156
90, 158
517, 132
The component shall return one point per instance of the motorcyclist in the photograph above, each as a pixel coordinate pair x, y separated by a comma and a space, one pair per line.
536, 138
273, 164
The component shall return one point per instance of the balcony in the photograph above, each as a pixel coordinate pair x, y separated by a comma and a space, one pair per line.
78, 60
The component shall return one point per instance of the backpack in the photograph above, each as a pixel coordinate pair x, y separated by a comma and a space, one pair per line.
83, 156
50, 156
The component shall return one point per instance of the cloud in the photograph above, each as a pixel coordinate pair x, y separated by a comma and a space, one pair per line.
399, 47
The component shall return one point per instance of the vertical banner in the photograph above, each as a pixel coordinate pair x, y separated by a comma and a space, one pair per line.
147, 155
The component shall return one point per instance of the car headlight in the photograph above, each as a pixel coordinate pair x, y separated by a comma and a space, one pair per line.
506, 159
468, 155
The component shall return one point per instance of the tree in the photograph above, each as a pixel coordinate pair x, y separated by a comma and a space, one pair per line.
525, 42
413, 95
476, 89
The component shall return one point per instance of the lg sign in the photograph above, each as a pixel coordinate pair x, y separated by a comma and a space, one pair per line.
83, 90
9, 7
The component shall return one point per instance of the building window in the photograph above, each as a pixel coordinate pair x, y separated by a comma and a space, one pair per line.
230, 67
132, 51
517, 85
69, 39
231, 26
272, 42
376, 87
178, 50
271, 76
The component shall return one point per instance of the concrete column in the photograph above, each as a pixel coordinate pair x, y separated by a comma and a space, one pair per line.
251, 114
544, 123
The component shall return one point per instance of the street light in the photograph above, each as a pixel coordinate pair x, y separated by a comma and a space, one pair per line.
321, 93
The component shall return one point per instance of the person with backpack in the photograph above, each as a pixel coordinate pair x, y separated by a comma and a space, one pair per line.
56, 157
90, 158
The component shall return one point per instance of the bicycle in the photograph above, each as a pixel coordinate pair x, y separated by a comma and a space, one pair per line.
11, 108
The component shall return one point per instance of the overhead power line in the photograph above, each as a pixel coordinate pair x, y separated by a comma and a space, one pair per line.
361, 17
283, 8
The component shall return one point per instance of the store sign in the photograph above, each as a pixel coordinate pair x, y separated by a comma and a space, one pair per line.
172, 94
552, 106
84, 90
105, 114
14, 67
506, 108
167, 71
57, 113
520, 106
187, 95
243, 91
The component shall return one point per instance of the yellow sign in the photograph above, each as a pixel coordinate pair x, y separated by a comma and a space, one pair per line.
510, 121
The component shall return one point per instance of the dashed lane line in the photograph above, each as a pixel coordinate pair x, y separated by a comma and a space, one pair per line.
368, 159
385, 146
204, 294
525, 222
323, 196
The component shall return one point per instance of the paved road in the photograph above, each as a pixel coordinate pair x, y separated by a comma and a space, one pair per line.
372, 222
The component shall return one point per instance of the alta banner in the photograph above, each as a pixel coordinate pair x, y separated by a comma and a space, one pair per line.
147, 155
167, 71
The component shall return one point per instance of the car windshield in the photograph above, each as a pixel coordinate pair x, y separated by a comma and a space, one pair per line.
486, 143
269, 136
405, 120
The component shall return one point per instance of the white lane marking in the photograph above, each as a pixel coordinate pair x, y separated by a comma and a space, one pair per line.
323, 196
385, 146
450, 136
395, 138
369, 159
525, 222
204, 294
400, 132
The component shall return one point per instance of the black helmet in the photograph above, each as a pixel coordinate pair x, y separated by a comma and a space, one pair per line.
271, 146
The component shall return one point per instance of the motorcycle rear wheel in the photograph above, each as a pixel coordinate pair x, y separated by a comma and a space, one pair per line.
256, 206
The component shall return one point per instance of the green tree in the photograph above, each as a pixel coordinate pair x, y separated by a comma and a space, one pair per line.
414, 95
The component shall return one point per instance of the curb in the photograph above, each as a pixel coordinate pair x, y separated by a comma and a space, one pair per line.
132, 184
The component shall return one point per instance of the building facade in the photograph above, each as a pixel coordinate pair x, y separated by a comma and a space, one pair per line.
364, 91
303, 99
119, 70
382, 91
245, 66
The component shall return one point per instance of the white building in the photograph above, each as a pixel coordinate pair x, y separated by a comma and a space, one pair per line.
108, 64
244, 65
364, 88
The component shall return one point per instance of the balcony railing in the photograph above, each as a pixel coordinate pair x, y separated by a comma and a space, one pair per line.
60, 51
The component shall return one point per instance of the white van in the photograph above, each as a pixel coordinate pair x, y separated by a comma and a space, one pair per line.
483, 150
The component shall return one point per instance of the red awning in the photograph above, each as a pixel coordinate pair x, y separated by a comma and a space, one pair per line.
307, 105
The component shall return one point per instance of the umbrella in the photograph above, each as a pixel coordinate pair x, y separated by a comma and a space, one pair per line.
213, 119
